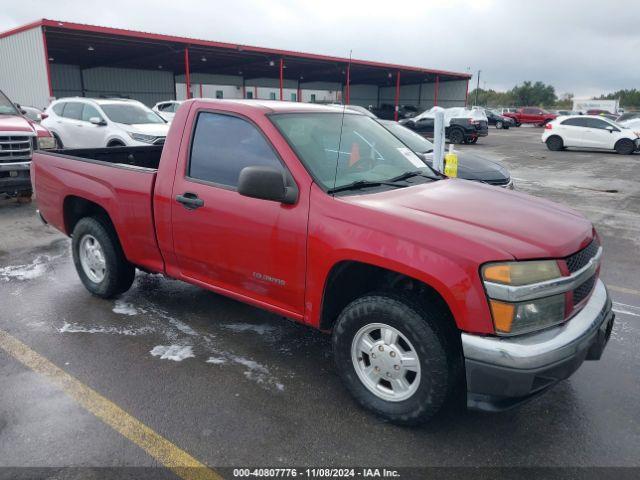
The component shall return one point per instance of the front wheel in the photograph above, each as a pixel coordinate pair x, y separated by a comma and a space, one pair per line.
98, 258
555, 143
625, 146
499, 125
395, 356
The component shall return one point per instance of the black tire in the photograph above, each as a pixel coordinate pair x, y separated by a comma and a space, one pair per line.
428, 328
456, 136
119, 273
624, 146
554, 143
473, 140
506, 127
517, 124
499, 125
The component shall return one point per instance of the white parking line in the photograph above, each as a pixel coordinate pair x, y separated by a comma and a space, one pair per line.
626, 309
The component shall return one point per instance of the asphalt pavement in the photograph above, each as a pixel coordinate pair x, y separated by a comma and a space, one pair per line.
234, 386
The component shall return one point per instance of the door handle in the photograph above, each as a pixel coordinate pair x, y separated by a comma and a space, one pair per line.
190, 200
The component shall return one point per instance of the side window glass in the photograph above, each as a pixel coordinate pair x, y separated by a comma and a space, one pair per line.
89, 111
223, 145
73, 110
58, 108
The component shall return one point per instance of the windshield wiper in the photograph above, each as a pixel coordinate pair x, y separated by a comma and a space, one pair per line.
412, 173
364, 184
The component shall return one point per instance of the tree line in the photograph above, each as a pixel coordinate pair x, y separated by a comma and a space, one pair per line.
542, 95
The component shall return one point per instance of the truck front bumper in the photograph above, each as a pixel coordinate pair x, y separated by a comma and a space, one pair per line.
503, 372
14, 177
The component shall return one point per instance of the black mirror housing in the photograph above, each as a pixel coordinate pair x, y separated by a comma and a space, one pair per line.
267, 183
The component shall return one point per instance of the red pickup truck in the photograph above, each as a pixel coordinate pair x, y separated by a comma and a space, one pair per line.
19, 137
429, 286
533, 115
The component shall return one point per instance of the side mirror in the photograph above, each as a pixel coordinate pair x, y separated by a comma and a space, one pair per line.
610, 128
267, 183
97, 121
42, 116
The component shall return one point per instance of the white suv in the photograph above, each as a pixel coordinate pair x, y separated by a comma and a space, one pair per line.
168, 109
92, 123
590, 131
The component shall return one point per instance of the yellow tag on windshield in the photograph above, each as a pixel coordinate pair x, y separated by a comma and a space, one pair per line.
451, 164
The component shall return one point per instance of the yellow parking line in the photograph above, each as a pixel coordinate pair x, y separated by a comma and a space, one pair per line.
168, 454
623, 290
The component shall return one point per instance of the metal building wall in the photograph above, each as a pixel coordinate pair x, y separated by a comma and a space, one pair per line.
23, 68
450, 94
147, 86
66, 80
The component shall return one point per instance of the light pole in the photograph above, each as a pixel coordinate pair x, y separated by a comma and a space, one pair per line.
478, 86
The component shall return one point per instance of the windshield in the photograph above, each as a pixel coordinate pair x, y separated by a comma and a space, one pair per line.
130, 114
368, 151
6, 107
411, 139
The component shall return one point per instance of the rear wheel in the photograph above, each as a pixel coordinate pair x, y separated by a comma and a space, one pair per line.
396, 356
98, 258
456, 136
517, 124
625, 146
499, 125
555, 143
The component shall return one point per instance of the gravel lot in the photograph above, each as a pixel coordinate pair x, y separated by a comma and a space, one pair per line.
253, 389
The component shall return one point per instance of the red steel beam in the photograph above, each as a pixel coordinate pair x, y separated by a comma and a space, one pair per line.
435, 95
255, 91
186, 72
395, 113
281, 76
466, 97
46, 62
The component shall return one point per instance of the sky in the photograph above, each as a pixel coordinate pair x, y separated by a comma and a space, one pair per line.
583, 47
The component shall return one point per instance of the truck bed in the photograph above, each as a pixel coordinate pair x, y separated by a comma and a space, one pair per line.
120, 180
144, 157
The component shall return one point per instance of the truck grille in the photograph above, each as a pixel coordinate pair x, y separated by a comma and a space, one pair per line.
15, 148
578, 260
583, 290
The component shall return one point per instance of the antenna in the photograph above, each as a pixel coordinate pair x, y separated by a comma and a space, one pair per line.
344, 108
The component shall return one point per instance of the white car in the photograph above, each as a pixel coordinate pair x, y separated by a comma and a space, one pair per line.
80, 122
590, 131
168, 109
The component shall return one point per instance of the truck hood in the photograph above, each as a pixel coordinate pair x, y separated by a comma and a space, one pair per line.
15, 123
515, 223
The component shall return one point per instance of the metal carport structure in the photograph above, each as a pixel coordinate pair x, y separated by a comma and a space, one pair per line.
63, 59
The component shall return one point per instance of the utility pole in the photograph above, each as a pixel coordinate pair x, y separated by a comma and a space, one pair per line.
478, 87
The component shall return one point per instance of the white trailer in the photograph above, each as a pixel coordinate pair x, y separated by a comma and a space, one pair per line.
585, 104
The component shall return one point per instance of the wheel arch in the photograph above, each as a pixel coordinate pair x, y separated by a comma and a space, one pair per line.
350, 279
75, 208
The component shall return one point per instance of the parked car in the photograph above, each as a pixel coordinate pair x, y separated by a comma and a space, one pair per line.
508, 110
590, 131
167, 109
628, 116
633, 124
428, 284
534, 115
462, 125
354, 108
80, 122
19, 137
32, 113
500, 121
387, 111
470, 166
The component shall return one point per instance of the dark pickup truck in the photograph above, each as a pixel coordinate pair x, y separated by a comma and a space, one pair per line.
465, 129
431, 287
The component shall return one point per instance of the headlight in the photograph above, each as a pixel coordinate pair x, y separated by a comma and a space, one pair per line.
521, 273
518, 318
46, 143
513, 318
141, 137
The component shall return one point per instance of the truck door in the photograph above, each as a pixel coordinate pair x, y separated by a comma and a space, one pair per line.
245, 246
